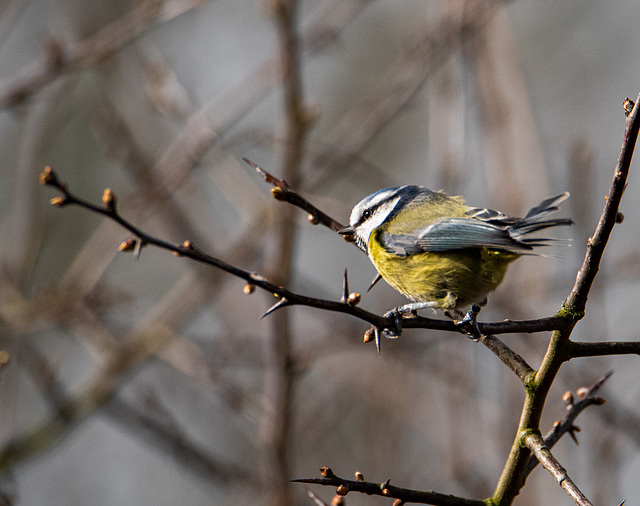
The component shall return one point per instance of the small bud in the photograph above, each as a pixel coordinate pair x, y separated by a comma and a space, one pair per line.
353, 299
582, 392
326, 472
249, 288
385, 487
109, 200
567, 398
342, 490
619, 217
312, 219
188, 245
338, 500
359, 476
127, 245
58, 201
277, 192
628, 106
557, 424
398, 502
369, 336
47, 176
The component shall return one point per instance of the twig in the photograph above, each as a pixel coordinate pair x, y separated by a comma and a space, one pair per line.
509, 357
577, 299
567, 424
188, 249
600, 349
559, 349
385, 489
282, 191
536, 444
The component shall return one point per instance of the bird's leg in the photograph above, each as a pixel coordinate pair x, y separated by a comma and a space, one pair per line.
469, 324
397, 313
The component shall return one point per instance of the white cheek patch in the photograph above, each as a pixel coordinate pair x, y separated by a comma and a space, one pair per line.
379, 217
372, 201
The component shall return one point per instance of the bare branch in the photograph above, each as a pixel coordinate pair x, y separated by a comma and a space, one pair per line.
510, 358
577, 299
385, 489
567, 424
600, 349
536, 444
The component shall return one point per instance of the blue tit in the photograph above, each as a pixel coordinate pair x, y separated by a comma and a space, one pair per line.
438, 251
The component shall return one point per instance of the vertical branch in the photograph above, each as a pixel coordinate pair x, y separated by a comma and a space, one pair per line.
279, 379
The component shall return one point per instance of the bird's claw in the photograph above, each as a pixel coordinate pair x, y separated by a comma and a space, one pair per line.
469, 324
396, 314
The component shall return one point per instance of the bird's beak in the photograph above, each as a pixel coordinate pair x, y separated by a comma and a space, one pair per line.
347, 231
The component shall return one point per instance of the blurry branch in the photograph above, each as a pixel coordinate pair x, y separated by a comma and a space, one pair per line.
61, 58
279, 361
160, 435
203, 127
97, 392
385, 489
171, 440
400, 84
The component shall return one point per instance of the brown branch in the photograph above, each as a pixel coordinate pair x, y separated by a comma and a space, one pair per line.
589, 398
536, 444
600, 349
279, 372
577, 299
62, 59
509, 357
514, 472
385, 489
189, 250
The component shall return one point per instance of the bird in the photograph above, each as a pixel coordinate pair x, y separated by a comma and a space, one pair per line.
441, 253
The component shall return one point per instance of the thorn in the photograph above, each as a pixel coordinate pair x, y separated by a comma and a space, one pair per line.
572, 433
138, 249
345, 288
373, 283
377, 335
281, 303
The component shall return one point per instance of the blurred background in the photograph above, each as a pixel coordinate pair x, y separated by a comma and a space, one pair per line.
153, 380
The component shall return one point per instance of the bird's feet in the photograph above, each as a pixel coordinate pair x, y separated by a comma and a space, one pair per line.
398, 312
469, 324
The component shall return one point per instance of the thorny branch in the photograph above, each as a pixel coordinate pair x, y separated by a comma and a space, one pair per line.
588, 397
286, 297
559, 349
536, 444
385, 489
516, 467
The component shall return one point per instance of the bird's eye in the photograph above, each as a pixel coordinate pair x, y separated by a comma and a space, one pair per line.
366, 214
